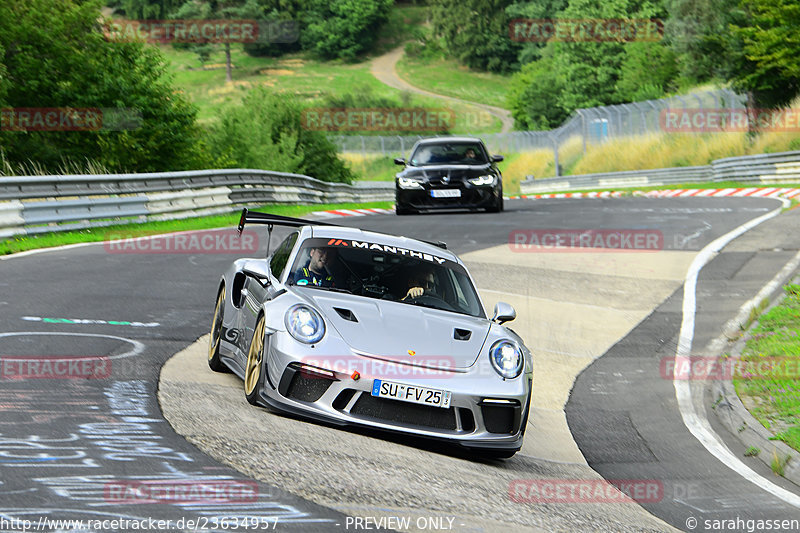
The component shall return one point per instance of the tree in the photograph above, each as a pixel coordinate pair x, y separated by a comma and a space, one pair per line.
476, 32
342, 28
696, 31
56, 56
540, 10
146, 9
534, 95
217, 10
591, 69
648, 69
765, 52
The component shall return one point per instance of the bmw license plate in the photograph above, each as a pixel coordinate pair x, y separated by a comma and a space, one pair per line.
411, 393
446, 193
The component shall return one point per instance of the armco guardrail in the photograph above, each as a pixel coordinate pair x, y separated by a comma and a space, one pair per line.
36, 204
763, 168
632, 178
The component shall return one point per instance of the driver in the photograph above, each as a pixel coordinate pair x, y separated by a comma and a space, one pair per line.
419, 282
315, 271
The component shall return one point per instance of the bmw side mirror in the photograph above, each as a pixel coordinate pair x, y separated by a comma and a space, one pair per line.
399, 161
497, 158
503, 312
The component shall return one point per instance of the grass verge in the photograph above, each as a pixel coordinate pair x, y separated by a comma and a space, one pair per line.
309, 80
450, 78
773, 396
48, 240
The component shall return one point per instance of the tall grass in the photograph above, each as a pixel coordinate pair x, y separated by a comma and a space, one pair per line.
34, 168
371, 167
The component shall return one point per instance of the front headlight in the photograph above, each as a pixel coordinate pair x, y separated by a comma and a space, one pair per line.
482, 180
304, 324
408, 183
506, 358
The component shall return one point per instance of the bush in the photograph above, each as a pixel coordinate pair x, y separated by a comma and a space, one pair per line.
265, 132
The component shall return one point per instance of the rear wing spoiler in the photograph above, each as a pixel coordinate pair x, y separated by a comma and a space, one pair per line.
256, 217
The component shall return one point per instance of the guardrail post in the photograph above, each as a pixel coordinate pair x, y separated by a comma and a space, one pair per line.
554, 139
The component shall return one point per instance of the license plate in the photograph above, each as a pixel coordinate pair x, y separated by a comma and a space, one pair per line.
446, 193
411, 393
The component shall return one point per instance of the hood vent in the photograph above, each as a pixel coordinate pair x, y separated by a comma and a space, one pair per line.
347, 314
461, 334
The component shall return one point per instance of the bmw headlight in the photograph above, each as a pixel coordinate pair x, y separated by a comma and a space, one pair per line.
304, 324
506, 358
408, 183
483, 180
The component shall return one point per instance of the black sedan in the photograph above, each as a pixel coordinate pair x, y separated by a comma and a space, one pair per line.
449, 173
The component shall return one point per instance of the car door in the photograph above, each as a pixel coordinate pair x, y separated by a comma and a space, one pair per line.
259, 286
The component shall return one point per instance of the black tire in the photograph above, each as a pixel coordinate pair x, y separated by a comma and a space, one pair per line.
214, 361
402, 210
497, 206
254, 368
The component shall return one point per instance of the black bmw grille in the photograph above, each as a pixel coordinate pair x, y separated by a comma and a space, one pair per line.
404, 413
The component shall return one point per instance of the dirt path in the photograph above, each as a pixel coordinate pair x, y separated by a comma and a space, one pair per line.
383, 68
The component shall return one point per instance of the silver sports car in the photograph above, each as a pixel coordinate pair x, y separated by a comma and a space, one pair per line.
353, 327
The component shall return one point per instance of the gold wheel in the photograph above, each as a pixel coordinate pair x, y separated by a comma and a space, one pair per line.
255, 358
216, 326
214, 361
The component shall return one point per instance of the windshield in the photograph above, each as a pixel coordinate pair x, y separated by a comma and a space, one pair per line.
385, 273
466, 153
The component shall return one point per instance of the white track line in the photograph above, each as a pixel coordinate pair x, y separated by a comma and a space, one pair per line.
700, 427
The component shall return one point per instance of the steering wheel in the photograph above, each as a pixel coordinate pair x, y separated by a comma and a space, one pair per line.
432, 300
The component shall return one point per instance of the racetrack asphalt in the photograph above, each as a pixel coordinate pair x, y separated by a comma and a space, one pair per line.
66, 442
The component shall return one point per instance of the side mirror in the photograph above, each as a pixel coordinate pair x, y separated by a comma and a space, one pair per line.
497, 158
399, 161
257, 269
503, 312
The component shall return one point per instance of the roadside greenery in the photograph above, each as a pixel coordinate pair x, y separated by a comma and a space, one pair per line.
266, 131
136, 229
749, 45
55, 56
771, 391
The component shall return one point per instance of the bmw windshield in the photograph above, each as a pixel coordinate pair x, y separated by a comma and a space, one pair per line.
386, 273
450, 153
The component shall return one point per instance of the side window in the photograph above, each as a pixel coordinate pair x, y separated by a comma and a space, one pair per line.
281, 255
